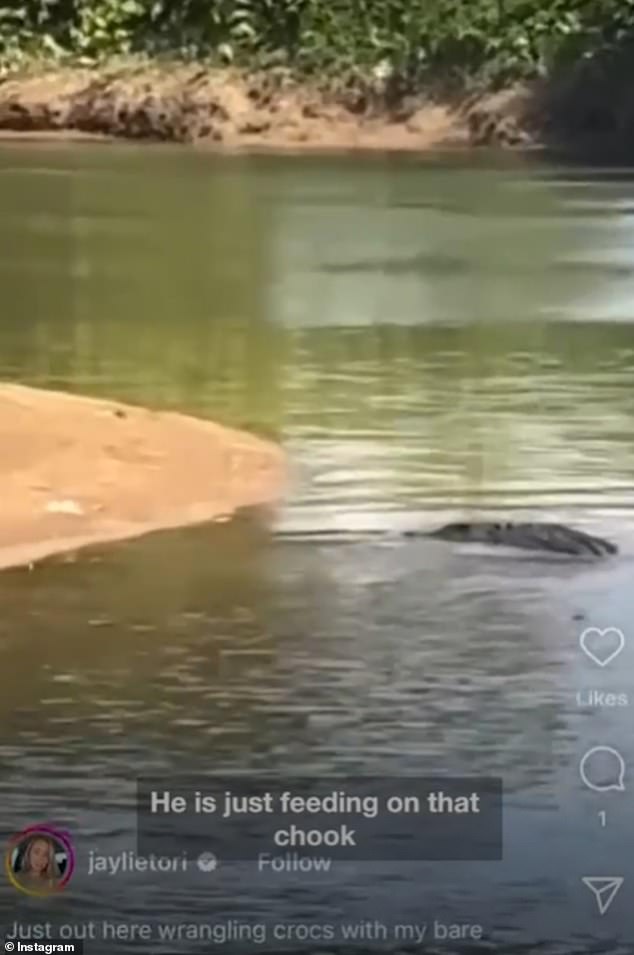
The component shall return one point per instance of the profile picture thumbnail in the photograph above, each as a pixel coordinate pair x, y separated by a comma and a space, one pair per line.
40, 860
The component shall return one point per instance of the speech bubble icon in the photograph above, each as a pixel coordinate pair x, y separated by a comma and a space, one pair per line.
602, 646
603, 769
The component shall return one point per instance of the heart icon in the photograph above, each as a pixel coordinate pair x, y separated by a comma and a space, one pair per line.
602, 646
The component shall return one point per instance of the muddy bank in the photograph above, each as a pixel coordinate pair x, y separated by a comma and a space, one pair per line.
588, 108
269, 110
77, 471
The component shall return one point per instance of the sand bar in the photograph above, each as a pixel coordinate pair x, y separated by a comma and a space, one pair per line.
78, 471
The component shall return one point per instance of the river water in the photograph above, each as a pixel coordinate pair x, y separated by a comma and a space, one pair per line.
429, 339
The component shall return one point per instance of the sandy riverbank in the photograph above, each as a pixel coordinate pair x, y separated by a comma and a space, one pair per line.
77, 471
224, 108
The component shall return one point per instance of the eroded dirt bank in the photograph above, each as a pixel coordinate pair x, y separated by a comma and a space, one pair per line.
234, 110
77, 470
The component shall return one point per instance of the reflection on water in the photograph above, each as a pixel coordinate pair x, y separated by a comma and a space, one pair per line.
426, 340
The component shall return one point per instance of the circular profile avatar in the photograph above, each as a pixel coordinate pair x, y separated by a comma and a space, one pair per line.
40, 860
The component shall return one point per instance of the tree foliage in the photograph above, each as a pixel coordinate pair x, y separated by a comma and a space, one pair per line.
493, 40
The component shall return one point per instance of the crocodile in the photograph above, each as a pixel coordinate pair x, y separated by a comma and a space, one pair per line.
556, 538
536, 536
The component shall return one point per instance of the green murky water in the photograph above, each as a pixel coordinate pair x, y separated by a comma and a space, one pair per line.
427, 338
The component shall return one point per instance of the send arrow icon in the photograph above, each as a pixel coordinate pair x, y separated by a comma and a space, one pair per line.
604, 888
